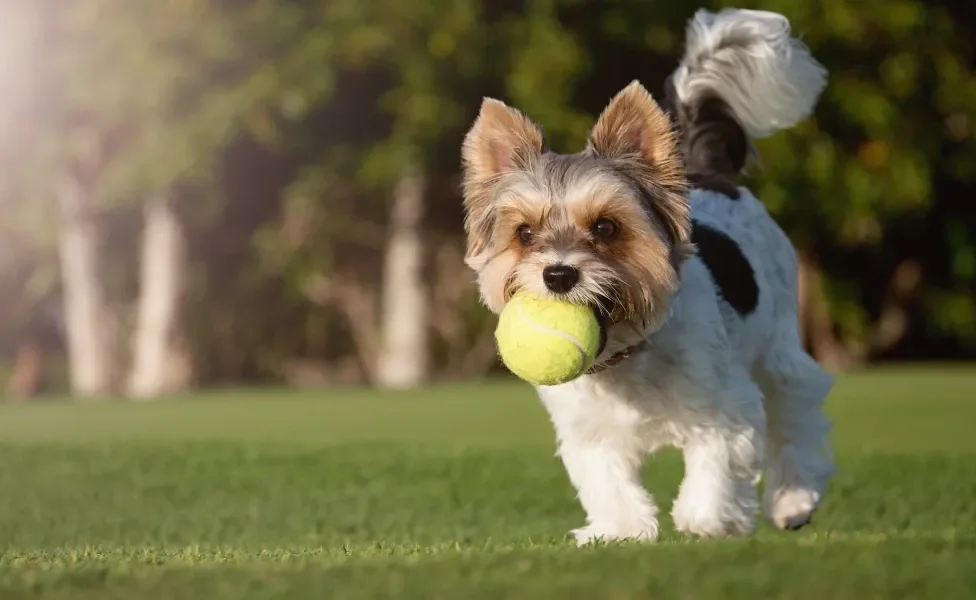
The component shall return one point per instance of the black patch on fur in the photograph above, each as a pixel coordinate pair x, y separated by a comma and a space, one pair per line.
731, 272
713, 144
650, 204
601, 319
714, 182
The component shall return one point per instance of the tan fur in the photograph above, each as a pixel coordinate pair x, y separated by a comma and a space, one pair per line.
639, 253
635, 130
501, 140
630, 173
633, 122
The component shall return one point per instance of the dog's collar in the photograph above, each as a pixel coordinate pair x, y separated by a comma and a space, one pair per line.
617, 358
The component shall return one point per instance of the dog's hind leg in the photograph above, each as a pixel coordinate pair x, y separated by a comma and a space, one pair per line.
799, 460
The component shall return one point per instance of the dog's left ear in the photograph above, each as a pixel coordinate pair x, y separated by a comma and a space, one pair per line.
633, 123
634, 130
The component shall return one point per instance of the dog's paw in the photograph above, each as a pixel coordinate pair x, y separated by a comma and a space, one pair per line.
715, 528
733, 521
596, 533
792, 508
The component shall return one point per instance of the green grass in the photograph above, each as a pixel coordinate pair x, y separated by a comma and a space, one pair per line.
452, 493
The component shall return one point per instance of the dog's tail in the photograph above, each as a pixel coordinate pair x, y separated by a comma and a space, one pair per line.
743, 77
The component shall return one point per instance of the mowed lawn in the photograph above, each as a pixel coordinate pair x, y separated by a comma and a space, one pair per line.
453, 492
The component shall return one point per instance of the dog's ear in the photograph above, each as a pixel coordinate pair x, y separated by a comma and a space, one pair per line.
633, 123
639, 135
501, 140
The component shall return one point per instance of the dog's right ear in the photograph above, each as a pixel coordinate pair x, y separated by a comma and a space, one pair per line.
501, 140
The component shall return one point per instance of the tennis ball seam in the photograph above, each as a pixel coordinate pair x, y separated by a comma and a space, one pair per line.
562, 334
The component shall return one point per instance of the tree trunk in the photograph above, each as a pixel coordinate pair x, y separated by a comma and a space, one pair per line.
161, 363
26, 377
91, 356
403, 358
816, 325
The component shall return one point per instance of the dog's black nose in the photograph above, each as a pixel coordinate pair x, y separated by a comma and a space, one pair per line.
560, 278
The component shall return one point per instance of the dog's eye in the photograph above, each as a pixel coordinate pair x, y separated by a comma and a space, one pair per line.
604, 229
524, 233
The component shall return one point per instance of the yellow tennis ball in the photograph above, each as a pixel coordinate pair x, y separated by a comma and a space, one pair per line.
547, 342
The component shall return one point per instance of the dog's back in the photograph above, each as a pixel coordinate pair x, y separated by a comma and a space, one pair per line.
744, 77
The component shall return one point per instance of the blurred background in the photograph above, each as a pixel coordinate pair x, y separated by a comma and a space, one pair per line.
202, 193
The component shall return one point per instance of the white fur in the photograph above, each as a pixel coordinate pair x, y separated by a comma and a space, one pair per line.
736, 395
749, 59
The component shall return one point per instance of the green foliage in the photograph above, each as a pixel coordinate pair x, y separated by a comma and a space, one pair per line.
144, 96
342, 96
872, 175
546, 61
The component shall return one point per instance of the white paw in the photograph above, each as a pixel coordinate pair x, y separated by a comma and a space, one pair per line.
646, 532
712, 523
792, 508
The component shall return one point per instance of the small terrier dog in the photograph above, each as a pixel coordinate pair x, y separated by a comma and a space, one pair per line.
694, 283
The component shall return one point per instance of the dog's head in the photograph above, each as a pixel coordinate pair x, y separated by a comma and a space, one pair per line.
607, 227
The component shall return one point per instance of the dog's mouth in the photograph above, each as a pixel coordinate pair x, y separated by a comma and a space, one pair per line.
602, 310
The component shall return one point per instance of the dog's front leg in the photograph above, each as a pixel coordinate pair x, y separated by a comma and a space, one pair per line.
718, 495
607, 476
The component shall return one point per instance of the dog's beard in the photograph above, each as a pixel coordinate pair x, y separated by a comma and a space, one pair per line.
527, 208
615, 295
599, 286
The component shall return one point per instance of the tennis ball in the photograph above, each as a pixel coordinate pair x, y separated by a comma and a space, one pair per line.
547, 342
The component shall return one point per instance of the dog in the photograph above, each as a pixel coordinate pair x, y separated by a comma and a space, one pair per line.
693, 282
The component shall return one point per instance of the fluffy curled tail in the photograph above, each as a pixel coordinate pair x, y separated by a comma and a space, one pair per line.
742, 76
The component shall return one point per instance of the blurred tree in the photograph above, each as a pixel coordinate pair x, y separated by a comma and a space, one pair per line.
413, 61
31, 78
561, 60
132, 103
294, 164
873, 189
